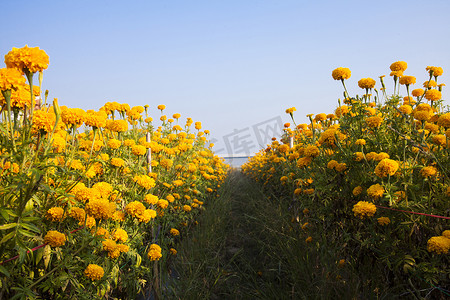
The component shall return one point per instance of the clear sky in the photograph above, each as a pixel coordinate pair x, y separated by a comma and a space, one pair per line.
230, 64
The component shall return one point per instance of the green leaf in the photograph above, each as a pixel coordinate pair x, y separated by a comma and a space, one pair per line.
4, 213
8, 226
7, 237
4, 271
26, 233
30, 227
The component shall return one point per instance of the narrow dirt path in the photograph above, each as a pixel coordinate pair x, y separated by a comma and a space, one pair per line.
226, 256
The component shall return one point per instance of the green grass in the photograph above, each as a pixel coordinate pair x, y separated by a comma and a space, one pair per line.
246, 247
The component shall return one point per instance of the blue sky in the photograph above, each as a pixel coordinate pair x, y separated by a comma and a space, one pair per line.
229, 64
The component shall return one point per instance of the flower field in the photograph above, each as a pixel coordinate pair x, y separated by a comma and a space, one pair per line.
93, 203
370, 183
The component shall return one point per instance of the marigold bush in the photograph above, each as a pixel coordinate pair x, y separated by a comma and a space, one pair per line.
85, 188
377, 185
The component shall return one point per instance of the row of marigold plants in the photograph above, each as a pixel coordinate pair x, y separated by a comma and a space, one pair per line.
93, 202
371, 180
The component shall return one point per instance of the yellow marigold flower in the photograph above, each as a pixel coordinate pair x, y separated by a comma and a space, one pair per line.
144, 181
73, 116
433, 95
383, 221
399, 66
138, 150
297, 191
166, 163
173, 251
291, 110
386, 167
429, 84
435, 71
27, 59
94, 272
187, 208
118, 125
366, 83
105, 189
359, 156
374, 122
102, 232
407, 80
90, 222
109, 245
360, 142
100, 208
341, 73
78, 214
55, 238
444, 120
342, 110
438, 244
428, 171
446, 233
123, 248
375, 191
155, 252
55, 214
406, 109
151, 199
161, 107
120, 235
198, 125
364, 209
171, 198
417, 92
163, 203
174, 232
422, 115
114, 144
118, 216
357, 191
308, 239
96, 119
320, 117
43, 120
341, 263
396, 73
311, 151
11, 79
135, 208
147, 215
341, 167
439, 139
117, 162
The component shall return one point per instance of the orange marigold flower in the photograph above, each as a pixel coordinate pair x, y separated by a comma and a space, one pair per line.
55, 238
94, 272
434, 71
407, 80
444, 120
383, 221
154, 252
366, 83
341, 73
433, 95
374, 122
120, 235
375, 191
399, 66
135, 208
438, 244
428, 171
11, 79
364, 209
27, 59
386, 167
417, 92
55, 214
